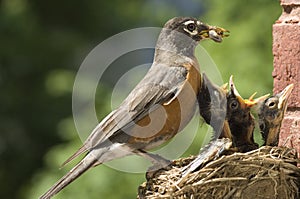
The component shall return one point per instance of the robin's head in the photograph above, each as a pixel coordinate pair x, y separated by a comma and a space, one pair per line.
196, 29
236, 105
240, 119
273, 107
270, 115
237, 102
181, 35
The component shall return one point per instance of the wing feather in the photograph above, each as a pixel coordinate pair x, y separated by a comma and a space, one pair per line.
160, 85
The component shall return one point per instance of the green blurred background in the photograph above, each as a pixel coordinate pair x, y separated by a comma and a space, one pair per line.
42, 46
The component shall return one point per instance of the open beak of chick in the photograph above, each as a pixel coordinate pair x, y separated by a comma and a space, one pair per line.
284, 95
246, 102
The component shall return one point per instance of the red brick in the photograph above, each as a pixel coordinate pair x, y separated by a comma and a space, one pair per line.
286, 51
290, 15
290, 2
289, 134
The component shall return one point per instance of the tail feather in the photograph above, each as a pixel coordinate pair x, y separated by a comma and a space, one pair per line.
74, 173
80, 151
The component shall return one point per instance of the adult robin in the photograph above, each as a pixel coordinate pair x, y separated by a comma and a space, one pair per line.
157, 108
270, 115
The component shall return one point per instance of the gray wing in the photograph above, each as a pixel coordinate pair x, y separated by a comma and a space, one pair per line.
160, 85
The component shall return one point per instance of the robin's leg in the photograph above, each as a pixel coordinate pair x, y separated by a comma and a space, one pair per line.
158, 162
154, 158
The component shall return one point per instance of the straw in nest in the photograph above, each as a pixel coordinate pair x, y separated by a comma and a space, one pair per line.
268, 172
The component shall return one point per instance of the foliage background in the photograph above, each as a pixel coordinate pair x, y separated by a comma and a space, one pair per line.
42, 46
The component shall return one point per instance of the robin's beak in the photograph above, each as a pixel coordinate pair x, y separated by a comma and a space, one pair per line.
246, 102
234, 91
252, 102
214, 33
284, 95
224, 87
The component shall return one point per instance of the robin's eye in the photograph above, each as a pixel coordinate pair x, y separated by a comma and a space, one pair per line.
191, 27
234, 105
271, 104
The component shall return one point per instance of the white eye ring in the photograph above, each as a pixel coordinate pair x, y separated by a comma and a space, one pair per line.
188, 22
193, 32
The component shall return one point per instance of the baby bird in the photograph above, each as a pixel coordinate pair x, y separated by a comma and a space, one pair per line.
212, 107
270, 115
240, 120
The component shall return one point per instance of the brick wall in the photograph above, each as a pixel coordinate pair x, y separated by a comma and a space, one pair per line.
286, 51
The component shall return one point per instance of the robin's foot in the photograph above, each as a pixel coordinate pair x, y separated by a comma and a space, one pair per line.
159, 163
156, 169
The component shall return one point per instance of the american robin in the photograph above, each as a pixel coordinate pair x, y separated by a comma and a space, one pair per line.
270, 115
240, 120
157, 108
213, 107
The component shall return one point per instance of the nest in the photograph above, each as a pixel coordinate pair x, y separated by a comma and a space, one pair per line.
268, 172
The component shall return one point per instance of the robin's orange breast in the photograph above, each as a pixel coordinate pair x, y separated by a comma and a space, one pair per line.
164, 122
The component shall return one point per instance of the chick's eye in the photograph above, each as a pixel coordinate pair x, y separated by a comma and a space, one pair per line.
234, 105
191, 27
271, 104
